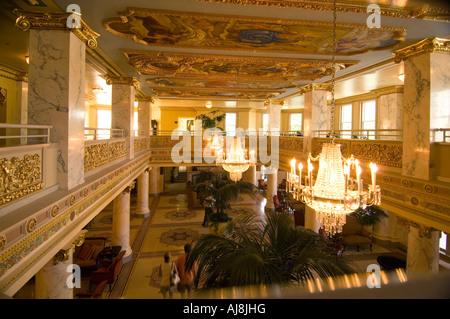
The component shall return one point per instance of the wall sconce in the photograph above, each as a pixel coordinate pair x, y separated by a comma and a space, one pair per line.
208, 104
27, 58
401, 77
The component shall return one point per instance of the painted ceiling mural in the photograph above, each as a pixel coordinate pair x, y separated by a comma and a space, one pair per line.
229, 32
170, 70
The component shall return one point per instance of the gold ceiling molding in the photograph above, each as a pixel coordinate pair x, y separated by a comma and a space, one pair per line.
131, 81
373, 94
315, 87
428, 45
13, 74
390, 10
217, 94
55, 21
230, 67
180, 29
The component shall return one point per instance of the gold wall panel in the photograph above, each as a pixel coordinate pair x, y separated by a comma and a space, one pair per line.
20, 177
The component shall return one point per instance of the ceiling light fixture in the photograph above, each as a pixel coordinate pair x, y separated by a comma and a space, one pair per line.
208, 104
97, 89
335, 193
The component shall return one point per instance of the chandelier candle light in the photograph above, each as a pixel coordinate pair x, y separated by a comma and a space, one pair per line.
336, 192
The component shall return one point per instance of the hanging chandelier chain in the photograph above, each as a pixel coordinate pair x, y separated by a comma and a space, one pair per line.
333, 74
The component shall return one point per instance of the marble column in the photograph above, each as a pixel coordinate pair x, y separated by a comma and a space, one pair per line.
142, 209
311, 219
426, 102
389, 113
122, 108
423, 249
21, 110
56, 97
51, 281
250, 175
316, 115
272, 187
121, 222
153, 181
144, 116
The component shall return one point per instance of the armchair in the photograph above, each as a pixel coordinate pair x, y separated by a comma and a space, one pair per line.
109, 271
97, 292
262, 185
353, 233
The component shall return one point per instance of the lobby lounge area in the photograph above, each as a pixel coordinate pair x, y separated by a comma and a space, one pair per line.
101, 146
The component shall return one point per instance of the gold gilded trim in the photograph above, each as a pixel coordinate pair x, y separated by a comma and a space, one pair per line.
428, 45
54, 21
131, 81
315, 87
424, 12
20, 178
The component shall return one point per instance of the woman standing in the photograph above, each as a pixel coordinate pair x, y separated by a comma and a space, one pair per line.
166, 270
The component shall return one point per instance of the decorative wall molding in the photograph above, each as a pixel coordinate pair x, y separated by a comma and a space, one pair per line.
314, 87
131, 81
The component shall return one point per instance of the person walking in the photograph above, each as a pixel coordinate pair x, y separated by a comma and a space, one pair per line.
186, 283
167, 272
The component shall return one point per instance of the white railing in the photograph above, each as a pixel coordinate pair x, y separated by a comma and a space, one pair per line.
24, 134
375, 134
440, 135
95, 133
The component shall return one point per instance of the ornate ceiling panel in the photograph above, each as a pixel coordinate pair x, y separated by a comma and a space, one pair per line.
233, 76
216, 94
240, 33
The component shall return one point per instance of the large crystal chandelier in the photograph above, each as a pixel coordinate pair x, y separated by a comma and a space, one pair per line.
235, 160
338, 188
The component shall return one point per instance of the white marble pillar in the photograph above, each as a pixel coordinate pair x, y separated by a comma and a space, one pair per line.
250, 175
426, 102
272, 187
122, 108
311, 219
144, 116
423, 250
389, 113
51, 280
21, 109
56, 86
153, 181
142, 209
316, 115
121, 222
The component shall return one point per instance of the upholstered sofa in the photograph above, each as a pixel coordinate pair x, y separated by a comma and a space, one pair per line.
353, 234
86, 255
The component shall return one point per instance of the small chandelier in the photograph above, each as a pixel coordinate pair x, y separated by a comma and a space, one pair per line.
336, 192
235, 159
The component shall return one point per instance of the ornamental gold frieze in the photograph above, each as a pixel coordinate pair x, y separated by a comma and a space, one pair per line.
52, 231
55, 21
117, 150
95, 155
428, 45
291, 144
386, 154
215, 93
140, 144
391, 10
314, 87
19, 177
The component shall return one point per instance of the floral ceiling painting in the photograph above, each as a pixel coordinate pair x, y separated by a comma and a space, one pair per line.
228, 32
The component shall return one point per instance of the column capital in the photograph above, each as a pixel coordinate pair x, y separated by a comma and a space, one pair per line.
424, 231
129, 187
428, 45
145, 99
314, 87
55, 21
131, 81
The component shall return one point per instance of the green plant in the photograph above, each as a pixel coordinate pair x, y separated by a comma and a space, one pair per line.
211, 119
370, 215
251, 252
222, 189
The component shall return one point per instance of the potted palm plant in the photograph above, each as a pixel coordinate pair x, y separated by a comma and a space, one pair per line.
268, 252
211, 119
216, 185
369, 216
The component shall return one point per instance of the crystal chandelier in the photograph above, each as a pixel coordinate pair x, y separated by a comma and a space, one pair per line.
336, 191
235, 159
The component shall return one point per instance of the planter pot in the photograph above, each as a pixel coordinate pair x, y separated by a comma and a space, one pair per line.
216, 228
